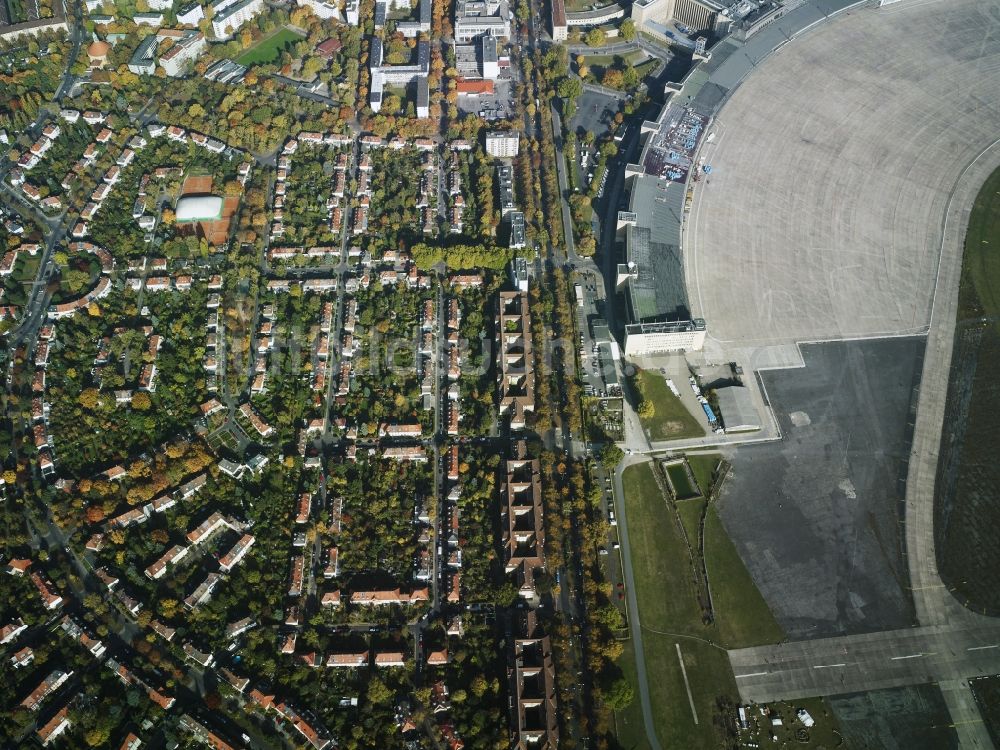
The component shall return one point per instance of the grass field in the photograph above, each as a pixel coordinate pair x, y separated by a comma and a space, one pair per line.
267, 50
17, 285
980, 286
635, 57
703, 465
825, 734
646, 68
968, 490
670, 420
744, 619
629, 730
690, 513
987, 693
670, 614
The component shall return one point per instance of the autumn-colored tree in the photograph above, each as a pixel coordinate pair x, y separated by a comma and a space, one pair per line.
141, 401
89, 398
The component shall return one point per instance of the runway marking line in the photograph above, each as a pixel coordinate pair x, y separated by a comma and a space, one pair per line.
751, 674
828, 666
911, 656
981, 648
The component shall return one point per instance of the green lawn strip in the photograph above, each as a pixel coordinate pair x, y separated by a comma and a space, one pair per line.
629, 727
667, 604
591, 60
981, 261
670, 615
987, 693
659, 561
671, 419
646, 68
703, 466
742, 616
690, 513
268, 50
969, 550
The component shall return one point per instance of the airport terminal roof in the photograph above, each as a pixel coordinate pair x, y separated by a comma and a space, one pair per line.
658, 294
654, 247
199, 208
708, 84
793, 266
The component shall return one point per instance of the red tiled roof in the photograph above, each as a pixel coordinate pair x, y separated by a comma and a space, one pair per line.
329, 47
474, 87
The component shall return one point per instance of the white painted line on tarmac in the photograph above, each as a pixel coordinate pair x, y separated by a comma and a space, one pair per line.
752, 674
828, 666
981, 648
911, 656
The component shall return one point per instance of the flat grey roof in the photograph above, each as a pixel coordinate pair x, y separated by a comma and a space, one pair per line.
658, 292
490, 49
516, 229
738, 412
505, 179
423, 92
144, 52
653, 245
592, 13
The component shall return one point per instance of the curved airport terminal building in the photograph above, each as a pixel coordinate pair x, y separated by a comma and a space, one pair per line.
754, 226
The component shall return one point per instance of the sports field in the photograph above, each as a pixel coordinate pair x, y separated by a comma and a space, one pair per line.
267, 50
217, 231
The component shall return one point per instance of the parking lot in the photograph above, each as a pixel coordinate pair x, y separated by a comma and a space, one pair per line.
595, 112
496, 106
596, 356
